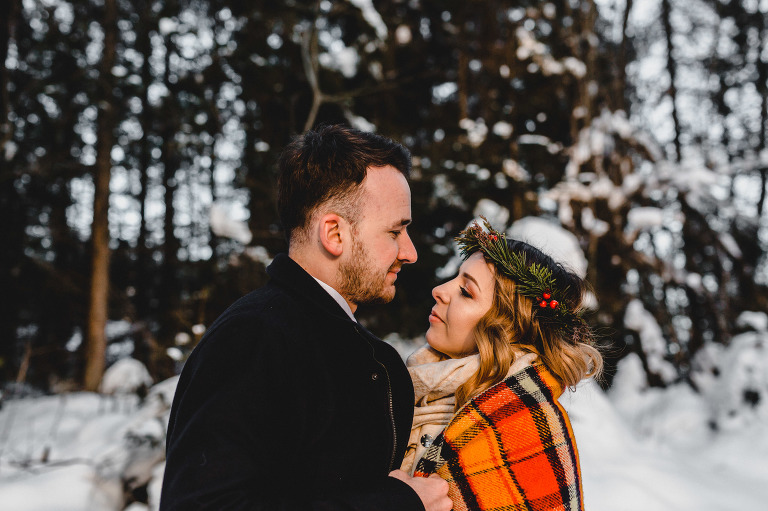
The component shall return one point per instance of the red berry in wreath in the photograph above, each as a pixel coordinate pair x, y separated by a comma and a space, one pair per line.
553, 304
543, 303
547, 294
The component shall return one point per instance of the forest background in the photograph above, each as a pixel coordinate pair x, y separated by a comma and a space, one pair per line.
138, 143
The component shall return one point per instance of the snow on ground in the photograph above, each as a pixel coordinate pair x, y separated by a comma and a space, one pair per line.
641, 448
625, 471
676, 448
81, 451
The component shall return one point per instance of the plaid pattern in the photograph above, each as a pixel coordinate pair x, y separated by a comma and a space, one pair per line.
510, 448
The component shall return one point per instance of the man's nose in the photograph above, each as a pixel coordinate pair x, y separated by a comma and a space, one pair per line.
407, 252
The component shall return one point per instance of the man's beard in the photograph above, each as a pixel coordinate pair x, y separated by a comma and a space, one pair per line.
359, 282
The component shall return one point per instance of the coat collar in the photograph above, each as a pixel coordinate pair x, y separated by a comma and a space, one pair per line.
287, 273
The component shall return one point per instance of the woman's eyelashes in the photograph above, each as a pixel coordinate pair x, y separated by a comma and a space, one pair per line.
464, 292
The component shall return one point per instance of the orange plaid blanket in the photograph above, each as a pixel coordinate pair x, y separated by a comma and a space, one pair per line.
510, 448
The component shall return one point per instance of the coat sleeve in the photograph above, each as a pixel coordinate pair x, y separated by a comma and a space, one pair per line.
233, 427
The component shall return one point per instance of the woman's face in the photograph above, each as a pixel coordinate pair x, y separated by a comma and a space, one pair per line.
459, 305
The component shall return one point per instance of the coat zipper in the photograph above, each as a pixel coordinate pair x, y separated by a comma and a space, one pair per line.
389, 397
391, 417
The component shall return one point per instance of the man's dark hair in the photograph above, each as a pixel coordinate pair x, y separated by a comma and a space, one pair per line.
329, 163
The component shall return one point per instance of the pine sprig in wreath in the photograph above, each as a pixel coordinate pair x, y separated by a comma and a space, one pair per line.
533, 280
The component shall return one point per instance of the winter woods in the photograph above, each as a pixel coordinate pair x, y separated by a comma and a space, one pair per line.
138, 143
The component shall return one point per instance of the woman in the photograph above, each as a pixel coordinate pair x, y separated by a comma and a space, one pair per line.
505, 339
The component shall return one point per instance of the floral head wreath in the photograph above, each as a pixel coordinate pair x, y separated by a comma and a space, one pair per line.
534, 281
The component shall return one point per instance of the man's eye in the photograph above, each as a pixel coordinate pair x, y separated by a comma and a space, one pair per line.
394, 234
465, 293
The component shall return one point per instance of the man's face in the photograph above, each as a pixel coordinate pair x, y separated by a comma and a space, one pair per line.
380, 241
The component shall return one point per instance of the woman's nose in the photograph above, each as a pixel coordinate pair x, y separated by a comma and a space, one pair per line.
439, 294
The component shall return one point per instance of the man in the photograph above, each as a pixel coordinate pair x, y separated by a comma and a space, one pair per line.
288, 403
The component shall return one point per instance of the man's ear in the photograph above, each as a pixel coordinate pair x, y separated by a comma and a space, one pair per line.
333, 233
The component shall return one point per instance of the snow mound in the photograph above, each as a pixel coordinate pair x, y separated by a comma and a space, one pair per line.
66, 453
755, 320
734, 381
222, 224
126, 376
637, 318
558, 243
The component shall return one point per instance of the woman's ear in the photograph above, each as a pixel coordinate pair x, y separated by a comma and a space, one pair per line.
333, 233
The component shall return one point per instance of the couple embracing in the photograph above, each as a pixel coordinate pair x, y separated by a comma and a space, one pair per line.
288, 403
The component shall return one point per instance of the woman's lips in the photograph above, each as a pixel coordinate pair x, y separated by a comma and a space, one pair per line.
434, 318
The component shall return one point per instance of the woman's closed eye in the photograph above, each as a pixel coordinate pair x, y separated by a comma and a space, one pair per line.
464, 292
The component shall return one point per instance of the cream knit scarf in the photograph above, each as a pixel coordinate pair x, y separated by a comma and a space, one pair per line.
435, 380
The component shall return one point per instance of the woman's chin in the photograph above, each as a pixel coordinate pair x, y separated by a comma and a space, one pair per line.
440, 352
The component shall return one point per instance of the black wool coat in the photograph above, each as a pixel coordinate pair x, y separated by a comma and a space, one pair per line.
288, 404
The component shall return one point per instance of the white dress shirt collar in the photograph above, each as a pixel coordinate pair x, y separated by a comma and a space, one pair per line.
339, 299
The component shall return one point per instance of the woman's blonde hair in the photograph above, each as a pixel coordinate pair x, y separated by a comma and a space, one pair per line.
510, 326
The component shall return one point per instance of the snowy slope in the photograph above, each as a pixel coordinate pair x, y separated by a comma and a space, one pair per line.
641, 449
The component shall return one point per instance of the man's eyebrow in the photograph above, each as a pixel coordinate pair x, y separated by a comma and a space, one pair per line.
470, 277
401, 223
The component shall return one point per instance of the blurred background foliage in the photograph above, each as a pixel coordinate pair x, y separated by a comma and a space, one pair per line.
639, 126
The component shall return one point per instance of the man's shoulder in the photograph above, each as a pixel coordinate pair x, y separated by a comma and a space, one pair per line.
254, 328
258, 311
271, 311
264, 302
260, 302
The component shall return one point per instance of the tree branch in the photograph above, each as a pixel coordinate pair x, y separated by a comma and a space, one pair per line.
310, 61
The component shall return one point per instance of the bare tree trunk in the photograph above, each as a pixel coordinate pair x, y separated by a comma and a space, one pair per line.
463, 84
620, 89
579, 39
96, 341
143, 277
8, 12
762, 89
588, 26
214, 243
169, 290
13, 217
666, 13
